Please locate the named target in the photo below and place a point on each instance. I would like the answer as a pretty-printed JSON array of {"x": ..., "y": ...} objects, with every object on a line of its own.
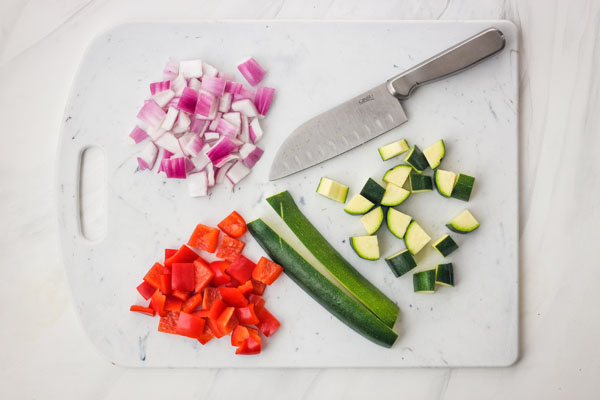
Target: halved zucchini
[
  {"x": 464, "y": 222},
  {"x": 394, "y": 195},
  {"x": 444, "y": 182},
  {"x": 372, "y": 220},
  {"x": 424, "y": 281},
  {"x": 401, "y": 262},
  {"x": 463, "y": 187},
  {"x": 397, "y": 175},
  {"x": 435, "y": 153},
  {"x": 372, "y": 191},
  {"x": 332, "y": 190},
  {"x": 420, "y": 183},
  {"x": 444, "y": 275},
  {"x": 366, "y": 247},
  {"x": 358, "y": 205},
  {"x": 393, "y": 149},
  {"x": 415, "y": 238},
  {"x": 416, "y": 159},
  {"x": 445, "y": 245}
]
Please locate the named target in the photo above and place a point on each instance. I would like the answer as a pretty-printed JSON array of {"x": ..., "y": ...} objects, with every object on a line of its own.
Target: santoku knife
[{"x": 376, "y": 111}]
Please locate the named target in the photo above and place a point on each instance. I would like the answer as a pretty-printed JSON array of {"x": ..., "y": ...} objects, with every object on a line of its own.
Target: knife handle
[{"x": 450, "y": 61}]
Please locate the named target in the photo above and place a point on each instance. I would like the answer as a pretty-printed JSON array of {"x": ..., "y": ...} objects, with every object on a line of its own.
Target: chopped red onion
[
  {"x": 244, "y": 131},
  {"x": 250, "y": 154},
  {"x": 256, "y": 131},
  {"x": 215, "y": 122},
  {"x": 213, "y": 85},
  {"x": 225, "y": 75},
  {"x": 207, "y": 106},
  {"x": 188, "y": 100},
  {"x": 184, "y": 140},
  {"x": 233, "y": 118},
  {"x": 210, "y": 136},
  {"x": 237, "y": 172},
  {"x": 252, "y": 71},
  {"x": 169, "y": 120},
  {"x": 168, "y": 142},
  {"x": 163, "y": 98},
  {"x": 198, "y": 125},
  {"x": 210, "y": 172},
  {"x": 157, "y": 87},
  {"x": 226, "y": 159},
  {"x": 182, "y": 124},
  {"x": 263, "y": 99},
  {"x": 194, "y": 84},
  {"x": 209, "y": 70},
  {"x": 171, "y": 70},
  {"x": 178, "y": 84},
  {"x": 233, "y": 87},
  {"x": 151, "y": 113},
  {"x": 245, "y": 93},
  {"x": 138, "y": 134},
  {"x": 220, "y": 175},
  {"x": 225, "y": 102},
  {"x": 174, "y": 167},
  {"x": 147, "y": 156},
  {"x": 246, "y": 107},
  {"x": 198, "y": 184},
  {"x": 156, "y": 132},
  {"x": 221, "y": 149},
  {"x": 200, "y": 161},
  {"x": 190, "y": 68},
  {"x": 226, "y": 128},
  {"x": 194, "y": 146}
]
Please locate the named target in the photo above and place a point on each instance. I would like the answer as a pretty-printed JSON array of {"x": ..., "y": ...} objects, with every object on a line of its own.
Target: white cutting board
[{"x": 314, "y": 65}]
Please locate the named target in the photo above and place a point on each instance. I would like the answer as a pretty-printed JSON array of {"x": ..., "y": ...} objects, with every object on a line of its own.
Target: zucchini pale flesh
[
  {"x": 342, "y": 270},
  {"x": 331, "y": 297}
]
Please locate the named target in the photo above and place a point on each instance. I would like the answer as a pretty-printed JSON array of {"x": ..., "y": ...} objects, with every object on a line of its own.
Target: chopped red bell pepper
[
  {"x": 214, "y": 328},
  {"x": 232, "y": 283},
  {"x": 239, "y": 335},
  {"x": 157, "y": 303},
  {"x": 258, "y": 302},
  {"x": 218, "y": 269},
  {"x": 192, "y": 303},
  {"x": 268, "y": 323},
  {"x": 216, "y": 309},
  {"x": 173, "y": 304},
  {"x": 190, "y": 326},
  {"x": 182, "y": 277},
  {"x": 252, "y": 344},
  {"x": 233, "y": 225},
  {"x": 227, "y": 321},
  {"x": 233, "y": 297},
  {"x": 146, "y": 290},
  {"x": 247, "y": 315},
  {"x": 202, "y": 274},
  {"x": 210, "y": 295},
  {"x": 153, "y": 276},
  {"x": 207, "y": 335},
  {"x": 169, "y": 253},
  {"x": 168, "y": 322},
  {"x": 181, "y": 295},
  {"x": 143, "y": 310},
  {"x": 246, "y": 288},
  {"x": 165, "y": 280},
  {"x": 258, "y": 287},
  {"x": 241, "y": 268},
  {"x": 204, "y": 238},
  {"x": 183, "y": 255},
  {"x": 230, "y": 248},
  {"x": 201, "y": 313},
  {"x": 266, "y": 271}
]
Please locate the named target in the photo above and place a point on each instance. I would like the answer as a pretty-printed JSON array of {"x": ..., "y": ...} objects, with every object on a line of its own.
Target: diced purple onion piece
[
  {"x": 182, "y": 124},
  {"x": 163, "y": 98},
  {"x": 190, "y": 68},
  {"x": 188, "y": 100},
  {"x": 263, "y": 99},
  {"x": 233, "y": 87},
  {"x": 250, "y": 154},
  {"x": 194, "y": 84},
  {"x": 171, "y": 70},
  {"x": 169, "y": 120},
  {"x": 210, "y": 136},
  {"x": 227, "y": 129},
  {"x": 244, "y": 131},
  {"x": 206, "y": 106},
  {"x": 245, "y": 93},
  {"x": 200, "y": 161},
  {"x": 255, "y": 130},
  {"x": 174, "y": 167},
  {"x": 168, "y": 142},
  {"x": 226, "y": 159},
  {"x": 225, "y": 102},
  {"x": 246, "y": 107},
  {"x": 198, "y": 184},
  {"x": 233, "y": 118},
  {"x": 184, "y": 140},
  {"x": 252, "y": 71},
  {"x": 147, "y": 156},
  {"x": 209, "y": 70},
  {"x": 220, "y": 175},
  {"x": 151, "y": 113},
  {"x": 138, "y": 134},
  {"x": 194, "y": 146},
  {"x": 178, "y": 84},
  {"x": 213, "y": 85},
  {"x": 157, "y": 87},
  {"x": 237, "y": 172},
  {"x": 226, "y": 75},
  {"x": 215, "y": 122},
  {"x": 198, "y": 125},
  {"x": 210, "y": 172},
  {"x": 222, "y": 148}
]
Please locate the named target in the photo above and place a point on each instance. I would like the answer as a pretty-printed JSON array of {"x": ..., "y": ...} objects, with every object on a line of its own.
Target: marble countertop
[{"x": 44, "y": 352}]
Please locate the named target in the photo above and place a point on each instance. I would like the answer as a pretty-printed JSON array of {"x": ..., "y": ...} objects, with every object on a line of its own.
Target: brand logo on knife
[{"x": 366, "y": 98}]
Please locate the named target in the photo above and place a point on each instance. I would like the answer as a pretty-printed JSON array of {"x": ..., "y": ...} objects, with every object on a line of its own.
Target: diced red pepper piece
[
  {"x": 208, "y": 298},
  {"x": 233, "y": 297},
  {"x": 202, "y": 274},
  {"x": 192, "y": 303},
  {"x": 182, "y": 277},
  {"x": 157, "y": 303},
  {"x": 246, "y": 288},
  {"x": 189, "y": 325},
  {"x": 214, "y": 327},
  {"x": 173, "y": 304},
  {"x": 239, "y": 335},
  {"x": 268, "y": 323},
  {"x": 247, "y": 315},
  {"x": 204, "y": 238},
  {"x": 227, "y": 321},
  {"x": 252, "y": 344},
  {"x": 146, "y": 290},
  {"x": 165, "y": 280},
  {"x": 181, "y": 295},
  {"x": 258, "y": 287},
  {"x": 266, "y": 271},
  {"x": 143, "y": 310},
  {"x": 183, "y": 255},
  {"x": 153, "y": 276},
  {"x": 201, "y": 313},
  {"x": 230, "y": 248},
  {"x": 216, "y": 309},
  {"x": 232, "y": 283},
  {"x": 258, "y": 302},
  {"x": 241, "y": 268},
  {"x": 218, "y": 268},
  {"x": 168, "y": 323},
  {"x": 169, "y": 253},
  {"x": 233, "y": 225},
  {"x": 207, "y": 335}
]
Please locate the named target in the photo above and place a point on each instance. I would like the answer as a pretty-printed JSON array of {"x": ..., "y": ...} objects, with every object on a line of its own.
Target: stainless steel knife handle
[{"x": 455, "y": 59}]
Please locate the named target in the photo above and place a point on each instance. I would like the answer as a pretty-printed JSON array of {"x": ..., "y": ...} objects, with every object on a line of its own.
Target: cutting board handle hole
[{"x": 92, "y": 193}]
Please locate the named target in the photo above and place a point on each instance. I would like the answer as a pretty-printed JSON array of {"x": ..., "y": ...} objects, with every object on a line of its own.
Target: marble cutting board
[{"x": 313, "y": 65}]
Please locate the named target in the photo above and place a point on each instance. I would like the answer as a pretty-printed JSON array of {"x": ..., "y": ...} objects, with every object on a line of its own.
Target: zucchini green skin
[
  {"x": 445, "y": 245},
  {"x": 420, "y": 183},
  {"x": 372, "y": 191},
  {"x": 372, "y": 298},
  {"x": 424, "y": 281},
  {"x": 416, "y": 159},
  {"x": 444, "y": 275},
  {"x": 332, "y": 298},
  {"x": 463, "y": 187},
  {"x": 400, "y": 263}
]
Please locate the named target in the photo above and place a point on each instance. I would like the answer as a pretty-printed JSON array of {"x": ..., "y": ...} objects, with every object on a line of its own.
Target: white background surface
[{"x": 43, "y": 351}]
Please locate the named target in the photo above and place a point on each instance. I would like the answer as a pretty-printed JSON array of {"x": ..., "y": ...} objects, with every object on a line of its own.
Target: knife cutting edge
[{"x": 376, "y": 111}]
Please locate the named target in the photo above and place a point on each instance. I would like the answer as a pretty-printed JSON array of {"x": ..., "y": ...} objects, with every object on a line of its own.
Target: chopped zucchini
[
  {"x": 420, "y": 183},
  {"x": 444, "y": 182},
  {"x": 415, "y": 238},
  {"x": 372, "y": 191},
  {"x": 435, "y": 153},
  {"x": 366, "y": 247},
  {"x": 332, "y": 190},
  {"x": 463, "y": 187},
  {"x": 464, "y": 222},
  {"x": 358, "y": 205},
  {"x": 397, "y": 222},
  {"x": 372, "y": 220},
  {"x": 393, "y": 149},
  {"x": 444, "y": 275},
  {"x": 394, "y": 195},
  {"x": 416, "y": 159},
  {"x": 397, "y": 175},
  {"x": 401, "y": 262},
  {"x": 424, "y": 281},
  {"x": 445, "y": 245}
]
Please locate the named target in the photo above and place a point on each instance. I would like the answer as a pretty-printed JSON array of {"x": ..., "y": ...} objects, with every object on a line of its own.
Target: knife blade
[{"x": 375, "y": 111}]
